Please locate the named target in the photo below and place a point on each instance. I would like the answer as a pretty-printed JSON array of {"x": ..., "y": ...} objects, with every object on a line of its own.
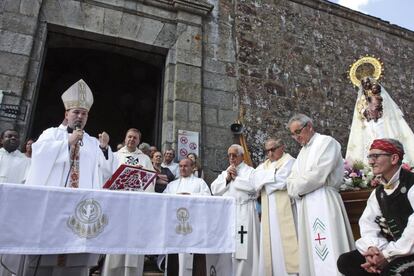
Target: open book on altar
[{"x": 130, "y": 178}]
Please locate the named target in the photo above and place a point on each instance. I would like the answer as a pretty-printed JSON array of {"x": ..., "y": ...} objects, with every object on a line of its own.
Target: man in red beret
[{"x": 386, "y": 246}]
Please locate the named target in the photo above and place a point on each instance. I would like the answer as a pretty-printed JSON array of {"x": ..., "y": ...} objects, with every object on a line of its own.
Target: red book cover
[{"x": 130, "y": 178}]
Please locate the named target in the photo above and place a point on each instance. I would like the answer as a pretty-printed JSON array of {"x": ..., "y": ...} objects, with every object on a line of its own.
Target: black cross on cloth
[{"x": 241, "y": 232}]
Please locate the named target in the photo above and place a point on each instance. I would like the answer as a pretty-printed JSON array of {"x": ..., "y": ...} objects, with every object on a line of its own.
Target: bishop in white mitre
[
  {"x": 324, "y": 232},
  {"x": 67, "y": 156},
  {"x": 279, "y": 252},
  {"x": 236, "y": 182}
]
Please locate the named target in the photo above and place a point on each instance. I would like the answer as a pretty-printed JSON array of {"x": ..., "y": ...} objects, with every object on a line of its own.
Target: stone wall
[
  {"x": 293, "y": 56},
  {"x": 272, "y": 58},
  {"x": 220, "y": 86},
  {"x": 18, "y": 37}
]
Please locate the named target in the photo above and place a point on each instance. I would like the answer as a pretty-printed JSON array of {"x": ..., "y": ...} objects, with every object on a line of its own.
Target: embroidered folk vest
[{"x": 395, "y": 207}]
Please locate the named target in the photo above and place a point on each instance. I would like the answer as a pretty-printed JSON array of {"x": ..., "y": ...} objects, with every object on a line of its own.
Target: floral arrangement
[{"x": 358, "y": 175}]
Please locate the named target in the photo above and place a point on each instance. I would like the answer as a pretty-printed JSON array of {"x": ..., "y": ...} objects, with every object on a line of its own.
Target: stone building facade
[{"x": 270, "y": 58}]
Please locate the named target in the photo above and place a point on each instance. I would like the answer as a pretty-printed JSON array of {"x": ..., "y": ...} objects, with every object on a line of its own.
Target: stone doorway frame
[
  {"x": 68, "y": 41},
  {"x": 170, "y": 27}
]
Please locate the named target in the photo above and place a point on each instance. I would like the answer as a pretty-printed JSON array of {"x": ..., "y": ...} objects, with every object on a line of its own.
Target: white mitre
[{"x": 79, "y": 95}]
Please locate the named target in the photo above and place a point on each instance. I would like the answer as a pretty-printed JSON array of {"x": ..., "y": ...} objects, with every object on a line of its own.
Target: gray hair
[
  {"x": 278, "y": 142},
  {"x": 240, "y": 150},
  {"x": 144, "y": 147},
  {"x": 302, "y": 118},
  {"x": 396, "y": 144}
]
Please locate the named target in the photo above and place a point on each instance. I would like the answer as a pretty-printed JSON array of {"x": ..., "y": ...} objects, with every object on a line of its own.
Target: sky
[{"x": 398, "y": 12}]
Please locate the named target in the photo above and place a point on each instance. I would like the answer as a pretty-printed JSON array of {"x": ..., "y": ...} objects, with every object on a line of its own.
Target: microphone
[{"x": 78, "y": 126}]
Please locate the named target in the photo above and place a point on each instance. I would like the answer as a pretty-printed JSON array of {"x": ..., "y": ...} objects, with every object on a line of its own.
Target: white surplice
[
  {"x": 187, "y": 185},
  {"x": 246, "y": 259},
  {"x": 136, "y": 157},
  {"x": 51, "y": 162},
  {"x": 192, "y": 185},
  {"x": 14, "y": 166},
  {"x": 50, "y": 167},
  {"x": 324, "y": 232},
  {"x": 120, "y": 264},
  {"x": 271, "y": 176}
]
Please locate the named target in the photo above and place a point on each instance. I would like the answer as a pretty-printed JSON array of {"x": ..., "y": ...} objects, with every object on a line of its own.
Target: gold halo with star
[{"x": 365, "y": 67}]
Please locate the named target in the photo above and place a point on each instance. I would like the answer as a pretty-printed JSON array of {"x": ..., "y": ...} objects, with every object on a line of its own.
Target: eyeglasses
[
  {"x": 298, "y": 131},
  {"x": 374, "y": 156},
  {"x": 272, "y": 149}
]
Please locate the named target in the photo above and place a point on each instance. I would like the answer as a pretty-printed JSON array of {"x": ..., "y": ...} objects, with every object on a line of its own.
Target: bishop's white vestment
[
  {"x": 245, "y": 261},
  {"x": 120, "y": 264},
  {"x": 50, "y": 167},
  {"x": 324, "y": 232},
  {"x": 187, "y": 185},
  {"x": 279, "y": 253},
  {"x": 51, "y": 162}
]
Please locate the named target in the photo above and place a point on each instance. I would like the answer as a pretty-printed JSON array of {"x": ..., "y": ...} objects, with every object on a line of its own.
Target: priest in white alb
[
  {"x": 236, "y": 182},
  {"x": 279, "y": 253},
  {"x": 130, "y": 264},
  {"x": 186, "y": 184},
  {"x": 323, "y": 227},
  {"x": 130, "y": 154},
  {"x": 14, "y": 166},
  {"x": 67, "y": 156}
]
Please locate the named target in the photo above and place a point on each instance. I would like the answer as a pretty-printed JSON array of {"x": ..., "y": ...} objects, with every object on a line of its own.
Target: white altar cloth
[{"x": 54, "y": 220}]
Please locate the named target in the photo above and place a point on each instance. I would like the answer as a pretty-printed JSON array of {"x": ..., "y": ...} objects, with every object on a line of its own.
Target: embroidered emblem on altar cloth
[
  {"x": 184, "y": 226},
  {"x": 88, "y": 220},
  {"x": 319, "y": 241}
]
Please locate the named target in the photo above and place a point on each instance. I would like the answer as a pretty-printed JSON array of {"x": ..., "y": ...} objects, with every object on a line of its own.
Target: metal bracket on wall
[{"x": 11, "y": 111}]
